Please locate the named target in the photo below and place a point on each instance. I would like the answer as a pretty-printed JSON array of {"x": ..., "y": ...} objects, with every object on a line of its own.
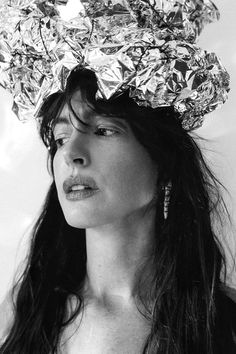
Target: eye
[
  {"x": 59, "y": 142},
  {"x": 106, "y": 132}
]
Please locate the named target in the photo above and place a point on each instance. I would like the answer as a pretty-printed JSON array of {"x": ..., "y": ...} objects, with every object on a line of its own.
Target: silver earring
[{"x": 167, "y": 199}]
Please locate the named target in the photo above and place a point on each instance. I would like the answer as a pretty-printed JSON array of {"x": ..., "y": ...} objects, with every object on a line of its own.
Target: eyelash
[
  {"x": 114, "y": 132},
  {"x": 107, "y": 129}
]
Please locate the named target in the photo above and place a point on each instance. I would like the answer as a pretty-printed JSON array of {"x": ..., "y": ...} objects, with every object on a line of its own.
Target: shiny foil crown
[{"x": 146, "y": 47}]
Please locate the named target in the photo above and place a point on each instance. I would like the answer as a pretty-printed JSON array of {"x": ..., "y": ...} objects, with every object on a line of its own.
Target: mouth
[
  {"x": 79, "y": 183},
  {"x": 80, "y": 187},
  {"x": 80, "y": 192}
]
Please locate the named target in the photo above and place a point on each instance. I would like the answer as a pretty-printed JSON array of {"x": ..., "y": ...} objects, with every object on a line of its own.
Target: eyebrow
[{"x": 61, "y": 120}]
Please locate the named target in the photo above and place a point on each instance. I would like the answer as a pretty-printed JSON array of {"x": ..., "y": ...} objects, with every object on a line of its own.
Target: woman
[
  {"x": 124, "y": 257},
  {"x": 118, "y": 264}
]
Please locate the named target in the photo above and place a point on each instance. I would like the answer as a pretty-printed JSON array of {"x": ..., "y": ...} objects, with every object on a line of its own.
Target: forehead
[{"x": 82, "y": 112}]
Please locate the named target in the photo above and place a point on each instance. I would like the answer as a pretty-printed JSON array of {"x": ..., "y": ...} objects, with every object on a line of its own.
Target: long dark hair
[{"x": 187, "y": 259}]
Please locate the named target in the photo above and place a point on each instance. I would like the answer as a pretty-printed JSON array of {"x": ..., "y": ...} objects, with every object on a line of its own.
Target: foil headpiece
[{"x": 145, "y": 46}]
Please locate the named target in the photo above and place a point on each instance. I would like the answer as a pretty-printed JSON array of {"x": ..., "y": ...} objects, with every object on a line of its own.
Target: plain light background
[{"x": 24, "y": 179}]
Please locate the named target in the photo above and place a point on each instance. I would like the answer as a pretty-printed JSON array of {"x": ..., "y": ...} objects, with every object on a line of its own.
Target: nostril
[{"x": 80, "y": 160}]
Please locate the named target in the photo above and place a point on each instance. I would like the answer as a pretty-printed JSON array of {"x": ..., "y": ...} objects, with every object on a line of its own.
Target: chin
[
  {"x": 81, "y": 222},
  {"x": 84, "y": 220}
]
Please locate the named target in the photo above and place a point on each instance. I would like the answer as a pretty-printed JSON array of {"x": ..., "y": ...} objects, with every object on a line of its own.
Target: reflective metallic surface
[{"x": 146, "y": 47}]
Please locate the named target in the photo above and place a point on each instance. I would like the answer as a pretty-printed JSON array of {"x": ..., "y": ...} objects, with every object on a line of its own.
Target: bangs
[
  {"x": 122, "y": 106},
  {"x": 49, "y": 112},
  {"x": 85, "y": 81}
]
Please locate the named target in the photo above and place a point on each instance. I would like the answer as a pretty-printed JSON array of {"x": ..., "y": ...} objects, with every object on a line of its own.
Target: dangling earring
[{"x": 167, "y": 189}]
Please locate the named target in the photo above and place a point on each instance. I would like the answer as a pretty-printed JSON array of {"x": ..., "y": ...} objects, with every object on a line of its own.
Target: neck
[{"x": 115, "y": 255}]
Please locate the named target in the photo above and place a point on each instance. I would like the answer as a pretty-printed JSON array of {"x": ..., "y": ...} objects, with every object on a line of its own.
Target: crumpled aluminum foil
[{"x": 144, "y": 46}]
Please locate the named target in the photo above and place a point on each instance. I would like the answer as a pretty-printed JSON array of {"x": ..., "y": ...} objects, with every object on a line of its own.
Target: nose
[{"x": 76, "y": 149}]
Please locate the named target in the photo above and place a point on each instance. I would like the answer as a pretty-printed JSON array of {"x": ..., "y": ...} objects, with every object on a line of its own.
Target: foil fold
[{"x": 146, "y": 47}]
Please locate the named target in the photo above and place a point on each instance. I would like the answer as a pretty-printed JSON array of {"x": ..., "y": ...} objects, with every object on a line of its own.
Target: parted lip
[{"x": 78, "y": 180}]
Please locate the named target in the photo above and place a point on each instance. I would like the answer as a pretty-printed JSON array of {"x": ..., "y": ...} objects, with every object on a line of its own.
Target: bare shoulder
[{"x": 6, "y": 316}]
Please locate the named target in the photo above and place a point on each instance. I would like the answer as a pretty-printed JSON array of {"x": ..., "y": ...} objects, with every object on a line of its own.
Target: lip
[
  {"x": 79, "y": 180},
  {"x": 81, "y": 194}
]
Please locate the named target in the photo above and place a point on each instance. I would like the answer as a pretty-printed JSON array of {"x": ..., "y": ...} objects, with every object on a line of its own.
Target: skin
[{"x": 119, "y": 218}]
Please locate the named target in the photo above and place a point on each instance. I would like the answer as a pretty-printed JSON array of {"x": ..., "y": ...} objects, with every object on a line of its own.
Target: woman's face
[{"x": 108, "y": 153}]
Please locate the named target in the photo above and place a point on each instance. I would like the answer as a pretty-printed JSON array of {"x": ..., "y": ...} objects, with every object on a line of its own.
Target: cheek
[
  {"x": 132, "y": 178},
  {"x": 58, "y": 170}
]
